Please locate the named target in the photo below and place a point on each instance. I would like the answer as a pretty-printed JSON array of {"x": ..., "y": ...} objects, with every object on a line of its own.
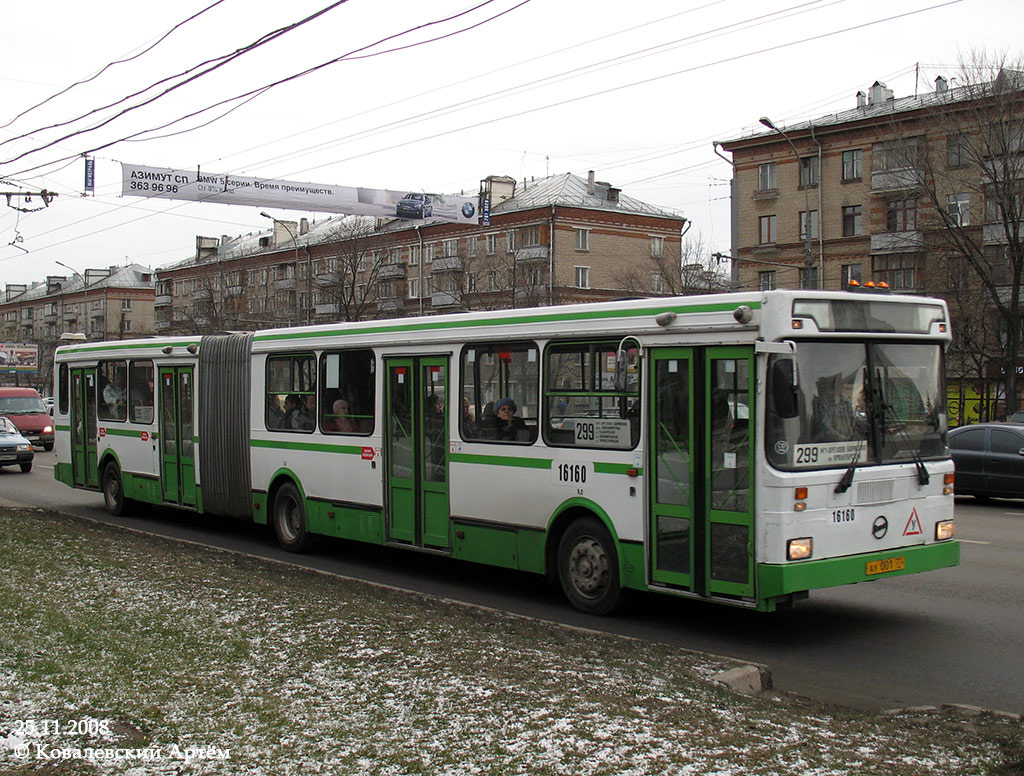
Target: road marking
[
  {"x": 971, "y": 541},
  {"x": 1015, "y": 514}
]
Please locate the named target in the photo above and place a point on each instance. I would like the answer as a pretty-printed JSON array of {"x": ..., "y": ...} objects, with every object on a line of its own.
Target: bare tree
[
  {"x": 968, "y": 171},
  {"x": 349, "y": 271},
  {"x": 677, "y": 269}
]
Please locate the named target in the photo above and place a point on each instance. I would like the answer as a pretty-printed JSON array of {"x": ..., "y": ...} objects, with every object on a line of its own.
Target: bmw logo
[{"x": 468, "y": 210}]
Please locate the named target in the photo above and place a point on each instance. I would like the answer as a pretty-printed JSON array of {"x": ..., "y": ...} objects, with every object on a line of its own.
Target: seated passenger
[
  {"x": 339, "y": 421},
  {"x": 507, "y": 424}
]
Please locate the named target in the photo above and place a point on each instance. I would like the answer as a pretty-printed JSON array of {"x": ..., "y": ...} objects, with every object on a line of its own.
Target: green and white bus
[{"x": 743, "y": 448}]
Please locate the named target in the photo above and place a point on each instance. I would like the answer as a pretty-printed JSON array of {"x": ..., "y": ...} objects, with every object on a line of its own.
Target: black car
[
  {"x": 414, "y": 205},
  {"x": 989, "y": 459}
]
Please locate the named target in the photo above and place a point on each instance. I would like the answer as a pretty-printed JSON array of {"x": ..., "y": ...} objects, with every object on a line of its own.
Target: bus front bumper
[{"x": 782, "y": 579}]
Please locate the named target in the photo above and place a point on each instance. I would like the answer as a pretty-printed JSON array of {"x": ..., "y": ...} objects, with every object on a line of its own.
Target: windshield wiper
[
  {"x": 923, "y": 477},
  {"x": 847, "y": 479}
]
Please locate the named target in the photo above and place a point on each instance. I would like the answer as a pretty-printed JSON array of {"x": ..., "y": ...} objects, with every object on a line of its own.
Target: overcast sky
[{"x": 636, "y": 91}]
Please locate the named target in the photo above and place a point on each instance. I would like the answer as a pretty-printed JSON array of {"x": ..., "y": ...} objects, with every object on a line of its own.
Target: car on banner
[
  {"x": 414, "y": 205},
  {"x": 14, "y": 448},
  {"x": 989, "y": 460}
]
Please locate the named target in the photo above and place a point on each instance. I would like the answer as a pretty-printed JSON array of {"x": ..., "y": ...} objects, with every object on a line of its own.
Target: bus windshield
[{"x": 839, "y": 404}]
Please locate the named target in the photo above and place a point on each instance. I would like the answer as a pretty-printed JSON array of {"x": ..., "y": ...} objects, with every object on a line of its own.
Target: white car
[{"x": 14, "y": 448}]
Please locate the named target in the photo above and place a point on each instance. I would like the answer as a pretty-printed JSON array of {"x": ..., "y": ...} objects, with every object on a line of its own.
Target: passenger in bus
[
  {"x": 507, "y": 423},
  {"x": 275, "y": 415},
  {"x": 468, "y": 422},
  {"x": 296, "y": 416},
  {"x": 339, "y": 421},
  {"x": 113, "y": 392}
]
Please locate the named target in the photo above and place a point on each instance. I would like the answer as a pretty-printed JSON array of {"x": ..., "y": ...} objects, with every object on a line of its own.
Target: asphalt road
[{"x": 950, "y": 636}]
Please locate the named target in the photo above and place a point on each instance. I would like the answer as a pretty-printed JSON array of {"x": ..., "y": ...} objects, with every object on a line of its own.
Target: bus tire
[
  {"x": 113, "y": 490},
  {"x": 588, "y": 567},
  {"x": 290, "y": 519}
]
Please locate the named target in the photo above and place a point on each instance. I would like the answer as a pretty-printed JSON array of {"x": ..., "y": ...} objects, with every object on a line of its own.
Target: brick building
[
  {"x": 922, "y": 193},
  {"x": 108, "y": 303},
  {"x": 552, "y": 241}
]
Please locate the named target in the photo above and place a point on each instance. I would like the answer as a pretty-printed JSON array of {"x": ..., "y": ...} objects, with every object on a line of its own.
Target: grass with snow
[{"x": 168, "y": 646}]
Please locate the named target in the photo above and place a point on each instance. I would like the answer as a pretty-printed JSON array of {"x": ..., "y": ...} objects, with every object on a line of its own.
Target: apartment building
[
  {"x": 921, "y": 193},
  {"x": 100, "y": 303},
  {"x": 556, "y": 240}
]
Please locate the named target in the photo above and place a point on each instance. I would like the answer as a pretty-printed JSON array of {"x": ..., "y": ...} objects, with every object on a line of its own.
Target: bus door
[
  {"x": 701, "y": 532},
  {"x": 177, "y": 435},
  {"x": 83, "y": 427},
  {"x": 416, "y": 451}
]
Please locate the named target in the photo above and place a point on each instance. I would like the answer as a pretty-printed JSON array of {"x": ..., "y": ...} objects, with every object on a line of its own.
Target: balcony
[
  {"x": 50, "y": 317},
  {"x": 391, "y": 305},
  {"x": 902, "y": 179},
  {"x": 994, "y": 234},
  {"x": 202, "y": 295},
  {"x": 230, "y": 291},
  {"x": 447, "y": 264},
  {"x": 445, "y": 299},
  {"x": 532, "y": 253},
  {"x": 392, "y": 271},
  {"x": 162, "y": 300},
  {"x": 897, "y": 242},
  {"x": 285, "y": 284},
  {"x": 327, "y": 279},
  {"x": 70, "y": 315},
  {"x": 326, "y": 309},
  {"x": 161, "y": 325}
]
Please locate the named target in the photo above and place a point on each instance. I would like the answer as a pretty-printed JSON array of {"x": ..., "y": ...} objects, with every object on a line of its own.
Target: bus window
[
  {"x": 113, "y": 376},
  {"x": 583, "y": 407},
  {"x": 63, "y": 390},
  {"x": 500, "y": 382},
  {"x": 291, "y": 393},
  {"x": 140, "y": 391},
  {"x": 347, "y": 392}
]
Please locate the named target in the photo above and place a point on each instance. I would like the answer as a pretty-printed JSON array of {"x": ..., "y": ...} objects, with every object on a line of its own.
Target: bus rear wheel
[
  {"x": 113, "y": 490},
  {"x": 588, "y": 567},
  {"x": 290, "y": 519}
]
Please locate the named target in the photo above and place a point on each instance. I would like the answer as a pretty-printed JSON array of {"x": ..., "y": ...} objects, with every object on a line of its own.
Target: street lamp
[
  {"x": 85, "y": 299},
  {"x": 295, "y": 242},
  {"x": 808, "y": 260}
]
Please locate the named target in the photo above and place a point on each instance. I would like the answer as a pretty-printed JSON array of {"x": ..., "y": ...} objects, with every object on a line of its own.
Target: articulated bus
[{"x": 743, "y": 448}]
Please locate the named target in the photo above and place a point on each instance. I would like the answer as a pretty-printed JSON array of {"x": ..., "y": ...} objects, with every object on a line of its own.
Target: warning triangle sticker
[{"x": 913, "y": 527}]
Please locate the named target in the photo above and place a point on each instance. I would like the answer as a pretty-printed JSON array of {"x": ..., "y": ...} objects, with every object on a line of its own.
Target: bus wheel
[
  {"x": 588, "y": 567},
  {"x": 113, "y": 490},
  {"x": 290, "y": 519}
]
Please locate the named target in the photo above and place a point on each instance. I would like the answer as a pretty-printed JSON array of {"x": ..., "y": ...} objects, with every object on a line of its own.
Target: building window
[
  {"x": 959, "y": 208},
  {"x": 899, "y": 270},
  {"x": 472, "y": 246},
  {"x": 510, "y": 240},
  {"x": 808, "y": 277},
  {"x": 657, "y": 283},
  {"x": 851, "y": 221},
  {"x": 491, "y": 241},
  {"x": 809, "y": 171},
  {"x": 766, "y": 280},
  {"x": 533, "y": 276},
  {"x": 852, "y": 165},
  {"x": 803, "y": 224},
  {"x": 451, "y": 248},
  {"x": 582, "y": 277},
  {"x": 851, "y": 272},
  {"x": 472, "y": 278},
  {"x": 529, "y": 235},
  {"x": 414, "y": 255},
  {"x": 126, "y": 304},
  {"x": 767, "y": 224},
  {"x": 895, "y": 154},
  {"x": 582, "y": 239},
  {"x": 127, "y": 326},
  {"x": 766, "y": 177},
  {"x": 901, "y": 215},
  {"x": 956, "y": 150},
  {"x": 657, "y": 247}
]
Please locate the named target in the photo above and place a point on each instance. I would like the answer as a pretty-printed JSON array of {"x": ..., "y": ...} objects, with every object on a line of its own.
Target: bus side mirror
[
  {"x": 621, "y": 364},
  {"x": 784, "y": 388}
]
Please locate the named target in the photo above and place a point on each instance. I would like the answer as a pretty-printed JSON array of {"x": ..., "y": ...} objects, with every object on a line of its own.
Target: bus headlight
[
  {"x": 799, "y": 549},
  {"x": 944, "y": 529}
]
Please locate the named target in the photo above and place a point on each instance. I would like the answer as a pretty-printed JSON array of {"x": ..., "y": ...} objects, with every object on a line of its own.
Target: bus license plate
[{"x": 887, "y": 564}]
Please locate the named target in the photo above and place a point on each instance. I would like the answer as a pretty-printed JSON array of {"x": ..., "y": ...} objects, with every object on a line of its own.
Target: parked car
[
  {"x": 14, "y": 448},
  {"x": 24, "y": 407},
  {"x": 414, "y": 205},
  {"x": 1017, "y": 417},
  {"x": 989, "y": 460},
  {"x": 48, "y": 403}
]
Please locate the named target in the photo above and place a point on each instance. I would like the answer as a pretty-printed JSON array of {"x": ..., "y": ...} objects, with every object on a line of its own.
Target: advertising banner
[
  {"x": 198, "y": 186},
  {"x": 23, "y": 359}
]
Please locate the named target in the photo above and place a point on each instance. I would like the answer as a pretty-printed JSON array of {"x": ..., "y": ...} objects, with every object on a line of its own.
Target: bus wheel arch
[
  {"x": 287, "y": 506},
  {"x": 582, "y": 554}
]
